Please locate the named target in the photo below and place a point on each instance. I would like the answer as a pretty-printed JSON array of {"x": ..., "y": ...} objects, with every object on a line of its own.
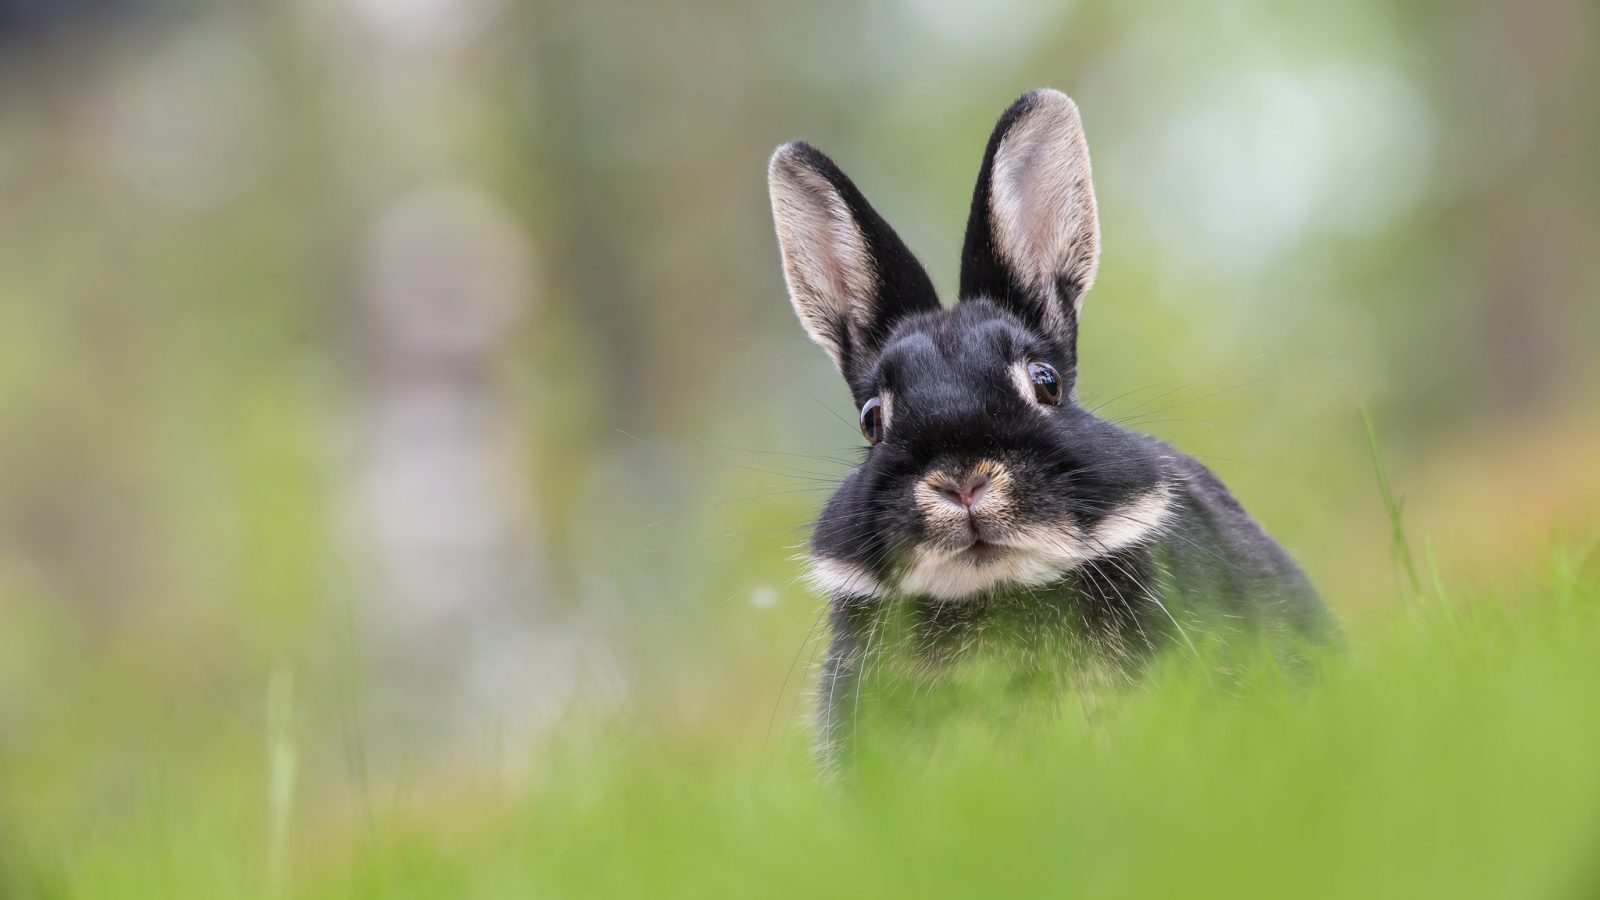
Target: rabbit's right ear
[
  {"x": 850, "y": 276},
  {"x": 1033, "y": 239}
]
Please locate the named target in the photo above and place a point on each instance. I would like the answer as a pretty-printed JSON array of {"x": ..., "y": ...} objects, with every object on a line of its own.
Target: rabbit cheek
[
  {"x": 842, "y": 578},
  {"x": 1056, "y": 550},
  {"x": 1133, "y": 522}
]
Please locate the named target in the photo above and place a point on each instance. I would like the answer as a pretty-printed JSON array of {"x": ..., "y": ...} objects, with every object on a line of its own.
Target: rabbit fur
[{"x": 983, "y": 511}]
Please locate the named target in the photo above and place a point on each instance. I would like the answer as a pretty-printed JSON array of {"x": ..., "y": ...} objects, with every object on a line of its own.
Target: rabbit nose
[{"x": 967, "y": 493}]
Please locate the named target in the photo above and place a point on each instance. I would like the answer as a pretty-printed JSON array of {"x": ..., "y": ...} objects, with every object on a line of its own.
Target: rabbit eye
[
  {"x": 1046, "y": 383},
  {"x": 872, "y": 420}
]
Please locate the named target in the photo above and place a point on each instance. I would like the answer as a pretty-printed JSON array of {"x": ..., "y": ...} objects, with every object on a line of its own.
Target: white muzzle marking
[{"x": 1034, "y": 556}]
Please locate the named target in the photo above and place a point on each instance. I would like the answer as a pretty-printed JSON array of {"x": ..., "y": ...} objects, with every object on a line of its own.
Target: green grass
[{"x": 1452, "y": 755}]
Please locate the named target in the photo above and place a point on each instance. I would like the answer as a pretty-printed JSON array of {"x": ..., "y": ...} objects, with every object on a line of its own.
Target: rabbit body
[{"x": 992, "y": 513}]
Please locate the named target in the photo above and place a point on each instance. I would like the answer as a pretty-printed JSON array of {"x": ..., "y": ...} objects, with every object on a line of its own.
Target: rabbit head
[{"x": 982, "y": 472}]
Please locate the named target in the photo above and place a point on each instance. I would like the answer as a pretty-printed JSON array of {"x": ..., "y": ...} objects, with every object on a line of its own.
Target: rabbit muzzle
[{"x": 967, "y": 507}]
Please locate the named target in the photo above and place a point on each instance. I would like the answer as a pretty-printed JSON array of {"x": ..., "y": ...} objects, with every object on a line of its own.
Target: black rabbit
[{"x": 990, "y": 508}]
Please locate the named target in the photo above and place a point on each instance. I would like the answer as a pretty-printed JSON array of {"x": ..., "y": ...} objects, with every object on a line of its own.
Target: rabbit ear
[
  {"x": 1033, "y": 238},
  {"x": 850, "y": 276}
]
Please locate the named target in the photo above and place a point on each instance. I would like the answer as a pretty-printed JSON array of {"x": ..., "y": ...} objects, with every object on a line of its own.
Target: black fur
[
  {"x": 983, "y": 272},
  {"x": 903, "y": 286},
  {"x": 1205, "y": 567}
]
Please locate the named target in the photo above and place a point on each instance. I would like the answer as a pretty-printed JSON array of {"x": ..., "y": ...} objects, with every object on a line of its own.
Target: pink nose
[{"x": 968, "y": 493}]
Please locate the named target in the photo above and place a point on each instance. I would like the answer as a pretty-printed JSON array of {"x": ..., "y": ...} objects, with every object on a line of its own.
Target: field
[
  {"x": 407, "y": 446},
  {"x": 1450, "y": 753}
]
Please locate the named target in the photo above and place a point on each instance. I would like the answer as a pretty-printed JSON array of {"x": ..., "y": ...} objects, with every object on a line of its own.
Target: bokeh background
[{"x": 383, "y": 380}]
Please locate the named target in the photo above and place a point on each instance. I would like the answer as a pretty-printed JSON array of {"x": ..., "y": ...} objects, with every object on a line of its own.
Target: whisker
[
  {"x": 1203, "y": 397},
  {"x": 784, "y": 689}
]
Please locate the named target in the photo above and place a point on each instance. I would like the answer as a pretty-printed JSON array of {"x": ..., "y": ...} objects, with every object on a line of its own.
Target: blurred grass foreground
[
  {"x": 1455, "y": 757},
  {"x": 405, "y": 442}
]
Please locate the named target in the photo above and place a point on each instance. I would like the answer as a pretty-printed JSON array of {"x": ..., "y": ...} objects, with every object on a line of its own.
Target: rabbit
[{"x": 989, "y": 506}]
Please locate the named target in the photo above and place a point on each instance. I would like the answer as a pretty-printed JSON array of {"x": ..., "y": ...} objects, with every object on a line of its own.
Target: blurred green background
[{"x": 386, "y": 385}]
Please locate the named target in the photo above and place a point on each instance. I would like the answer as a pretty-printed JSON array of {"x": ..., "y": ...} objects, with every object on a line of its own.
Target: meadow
[
  {"x": 1448, "y": 752},
  {"x": 407, "y": 446}
]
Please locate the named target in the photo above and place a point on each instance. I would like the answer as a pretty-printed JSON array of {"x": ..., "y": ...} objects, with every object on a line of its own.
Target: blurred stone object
[
  {"x": 460, "y": 642},
  {"x": 444, "y": 271},
  {"x": 467, "y": 654}
]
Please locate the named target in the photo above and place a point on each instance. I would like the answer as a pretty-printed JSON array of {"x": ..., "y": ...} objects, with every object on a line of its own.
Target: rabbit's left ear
[
  {"x": 1033, "y": 237},
  {"x": 851, "y": 278}
]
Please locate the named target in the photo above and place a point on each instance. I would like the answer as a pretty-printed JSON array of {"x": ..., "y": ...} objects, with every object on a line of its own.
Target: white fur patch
[
  {"x": 825, "y": 260},
  {"x": 835, "y": 576},
  {"x": 1041, "y": 202},
  {"x": 1133, "y": 522},
  {"x": 1036, "y": 556},
  {"x": 944, "y": 576},
  {"x": 1024, "y": 384}
]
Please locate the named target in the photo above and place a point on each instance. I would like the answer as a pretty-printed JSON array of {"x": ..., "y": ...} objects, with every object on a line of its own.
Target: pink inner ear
[
  {"x": 836, "y": 252},
  {"x": 1042, "y": 200},
  {"x": 832, "y": 269},
  {"x": 842, "y": 255},
  {"x": 831, "y": 279},
  {"x": 1035, "y": 204}
]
